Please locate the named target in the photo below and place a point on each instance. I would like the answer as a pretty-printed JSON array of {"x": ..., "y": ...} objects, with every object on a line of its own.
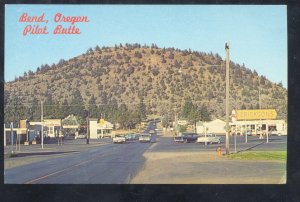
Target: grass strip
[{"x": 260, "y": 155}]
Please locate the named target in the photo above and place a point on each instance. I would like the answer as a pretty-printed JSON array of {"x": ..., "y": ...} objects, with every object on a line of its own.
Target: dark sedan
[{"x": 189, "y": 137}]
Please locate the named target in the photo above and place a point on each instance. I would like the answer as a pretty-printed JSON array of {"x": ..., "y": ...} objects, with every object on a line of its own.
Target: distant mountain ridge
[{"x": 161, "y": 78}]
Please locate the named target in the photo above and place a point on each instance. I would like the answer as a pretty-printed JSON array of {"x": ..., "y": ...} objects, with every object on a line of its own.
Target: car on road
[
  {"x": 145, "y": 138},
  {"x": 131, "y": 137},
  {"x": 278, "y": 133},
  {"x": 189, "y": 137},
  {"x": 209, "y": 138},
  {"x": 179, "y": 139},
  {"x": 119, "y": 139},
  {"x": 151, "y": 132}
]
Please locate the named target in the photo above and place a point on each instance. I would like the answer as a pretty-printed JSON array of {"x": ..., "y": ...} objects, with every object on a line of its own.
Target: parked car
[
  {"x": 178, "y": 139},
  {"x": 119, "y": 139},
  {"x": 278, "y": 133},
  {"x": 189, "y": 137},
  {"x": 210, "y": 139},
  {"x": 81, "y": 136},
  {"x": 145, "y": 138},
  {"x": 131, "y": 137}
]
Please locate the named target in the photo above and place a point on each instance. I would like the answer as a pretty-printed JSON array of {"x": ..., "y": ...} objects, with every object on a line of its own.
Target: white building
[
  {"x": 216, "y": 126},
  {"x": 100, "y": 130}
]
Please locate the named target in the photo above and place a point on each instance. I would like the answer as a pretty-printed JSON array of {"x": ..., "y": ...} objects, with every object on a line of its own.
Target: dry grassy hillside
[{"x": 162, "y": 77}]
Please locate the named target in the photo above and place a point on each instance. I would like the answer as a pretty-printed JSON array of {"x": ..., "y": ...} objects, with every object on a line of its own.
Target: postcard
[{"x": 145, "y": 94}]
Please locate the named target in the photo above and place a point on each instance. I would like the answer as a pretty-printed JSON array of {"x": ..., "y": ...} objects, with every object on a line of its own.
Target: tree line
[{"x": 15, "y": 110}]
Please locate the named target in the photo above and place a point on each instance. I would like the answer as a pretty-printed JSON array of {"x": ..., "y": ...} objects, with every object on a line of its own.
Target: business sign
[
  {"x": 182, "y": 122},
  {"x": 255, "y": 114},
  {"x": 52, "y": 122},
  {"x": 101, "y": 122}
]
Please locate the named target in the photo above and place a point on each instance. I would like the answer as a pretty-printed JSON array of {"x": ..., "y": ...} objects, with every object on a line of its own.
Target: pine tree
[
  {"x": 123, "y": 116},
  {"x": 92, "y": 108},
  {"x": 36, "y": 109},
  {"x": 18, "y": 109},
  {"x": 142, "y": 110},
  {"x": 48, "y": 107},
  {"x": 65, "y": 109},
  {"x": 188, "y": 106},
  {"x": 76, "y": 104},
  {"x": 204, "y": 113}
]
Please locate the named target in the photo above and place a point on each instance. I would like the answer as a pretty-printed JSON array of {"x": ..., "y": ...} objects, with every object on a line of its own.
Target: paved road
[
  {"x": 106, "y": 164},
  {"x": 112, "y": 163}
]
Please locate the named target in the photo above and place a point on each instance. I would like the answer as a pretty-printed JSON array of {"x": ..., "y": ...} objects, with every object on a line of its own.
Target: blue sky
[{"x": 257, "y": 34}]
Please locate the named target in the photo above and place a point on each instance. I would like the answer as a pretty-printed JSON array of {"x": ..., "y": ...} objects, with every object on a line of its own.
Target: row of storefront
[{"x": 54, "y": 128}]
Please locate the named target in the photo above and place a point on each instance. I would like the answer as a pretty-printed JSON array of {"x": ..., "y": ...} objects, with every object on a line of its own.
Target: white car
[
  {"x": 81, "y": 136},
  {"x": 210, "y": 138},
  {"x": 145, "y": 138},
  {"x": 279, "y": 133},
  {"x": 151, "y": 132},
  {"x": 119, "y": 139}
]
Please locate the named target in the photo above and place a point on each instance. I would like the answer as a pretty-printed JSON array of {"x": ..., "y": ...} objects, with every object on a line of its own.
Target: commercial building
[
  {"x": 28, "y": 130},
  {"x": 259, "y": 127},
  {"x": 100, "y": 130},
  {"x": 257, "y": 122},
  {"x": 254, "y": 122},
  {"x": 51, "y": 127}
]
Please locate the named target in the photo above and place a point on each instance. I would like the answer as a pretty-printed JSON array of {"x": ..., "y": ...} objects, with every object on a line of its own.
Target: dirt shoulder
[{"x": 206, "y": 168}]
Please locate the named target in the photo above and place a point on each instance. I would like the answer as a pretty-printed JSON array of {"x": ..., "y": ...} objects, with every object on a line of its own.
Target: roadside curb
[{"x": 247, "y": 149}]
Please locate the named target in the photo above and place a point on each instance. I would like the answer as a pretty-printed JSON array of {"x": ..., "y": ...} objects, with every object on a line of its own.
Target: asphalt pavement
[
  {"x": 275, "y": 143},
  {"x": 106, "y": 164}
]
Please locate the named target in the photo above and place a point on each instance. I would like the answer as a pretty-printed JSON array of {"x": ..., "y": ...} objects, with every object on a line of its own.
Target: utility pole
[
  {"x": 259, "y": 103},
  {"x": 227, "y": 97},
  {"x": 87, "y": 131},
  {"x": 42, "y": 125},
  {"x": 175, "y": 123},
  {"x": 86, "y": 114},
  {"x": 11, "y": 133}
]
